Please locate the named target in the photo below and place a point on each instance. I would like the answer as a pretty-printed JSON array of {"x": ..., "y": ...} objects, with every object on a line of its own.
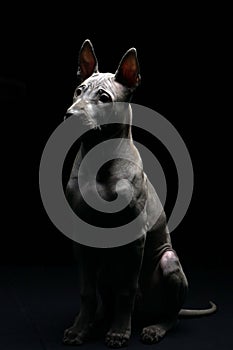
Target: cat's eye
[
  {"x": 78, "y": 92},
  {"x": 104, "y": 96}
]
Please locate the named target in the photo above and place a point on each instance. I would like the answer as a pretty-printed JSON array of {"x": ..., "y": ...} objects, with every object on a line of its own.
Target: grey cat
[{"x": 143, "y": 278}]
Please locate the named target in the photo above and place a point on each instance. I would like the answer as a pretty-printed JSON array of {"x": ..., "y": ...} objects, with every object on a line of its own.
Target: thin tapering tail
[{"x": 198, "y": 313}]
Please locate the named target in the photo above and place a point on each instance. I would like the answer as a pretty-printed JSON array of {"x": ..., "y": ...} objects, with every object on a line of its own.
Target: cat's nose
[{"x": 69, "y": 113}]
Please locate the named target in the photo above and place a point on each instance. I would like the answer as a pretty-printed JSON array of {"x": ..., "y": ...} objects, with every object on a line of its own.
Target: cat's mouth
[{"x": 85, "y": 118}]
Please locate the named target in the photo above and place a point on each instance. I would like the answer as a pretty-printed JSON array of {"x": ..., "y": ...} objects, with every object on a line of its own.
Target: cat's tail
[{"x": 198, "y": 313}]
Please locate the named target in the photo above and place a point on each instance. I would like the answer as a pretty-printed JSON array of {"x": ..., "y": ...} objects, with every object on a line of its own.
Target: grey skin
[{"x": 144, "y": 278}]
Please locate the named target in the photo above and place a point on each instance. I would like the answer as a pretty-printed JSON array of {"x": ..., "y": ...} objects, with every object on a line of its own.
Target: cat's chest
[{"x": 99, "y": 191}]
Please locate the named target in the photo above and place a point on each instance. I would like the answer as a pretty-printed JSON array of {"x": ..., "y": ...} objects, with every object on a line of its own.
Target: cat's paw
[
  {"x": 152, "y": 334},
  {"x": 74, "y": 336},
  {"x": 117, "y": 338}
]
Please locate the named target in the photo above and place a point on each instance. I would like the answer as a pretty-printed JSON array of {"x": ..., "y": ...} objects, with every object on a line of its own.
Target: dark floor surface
[{"x": 38, "y": 303}]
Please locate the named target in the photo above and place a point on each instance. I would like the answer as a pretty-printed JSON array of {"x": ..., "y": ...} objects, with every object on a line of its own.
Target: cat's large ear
[
  {"x": 128, "y": 73},
  {"x": 87, "y": 62}
]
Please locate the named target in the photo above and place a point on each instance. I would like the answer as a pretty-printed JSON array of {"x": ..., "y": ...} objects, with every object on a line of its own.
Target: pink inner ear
[
  {"x": 87, "y": 62},
  {"x": 129, "y": 72}
]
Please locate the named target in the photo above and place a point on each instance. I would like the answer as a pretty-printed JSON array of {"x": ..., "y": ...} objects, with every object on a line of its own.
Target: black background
[
  {"x": 184, "y": 56},
  {"x": 184, "y": 66}
]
